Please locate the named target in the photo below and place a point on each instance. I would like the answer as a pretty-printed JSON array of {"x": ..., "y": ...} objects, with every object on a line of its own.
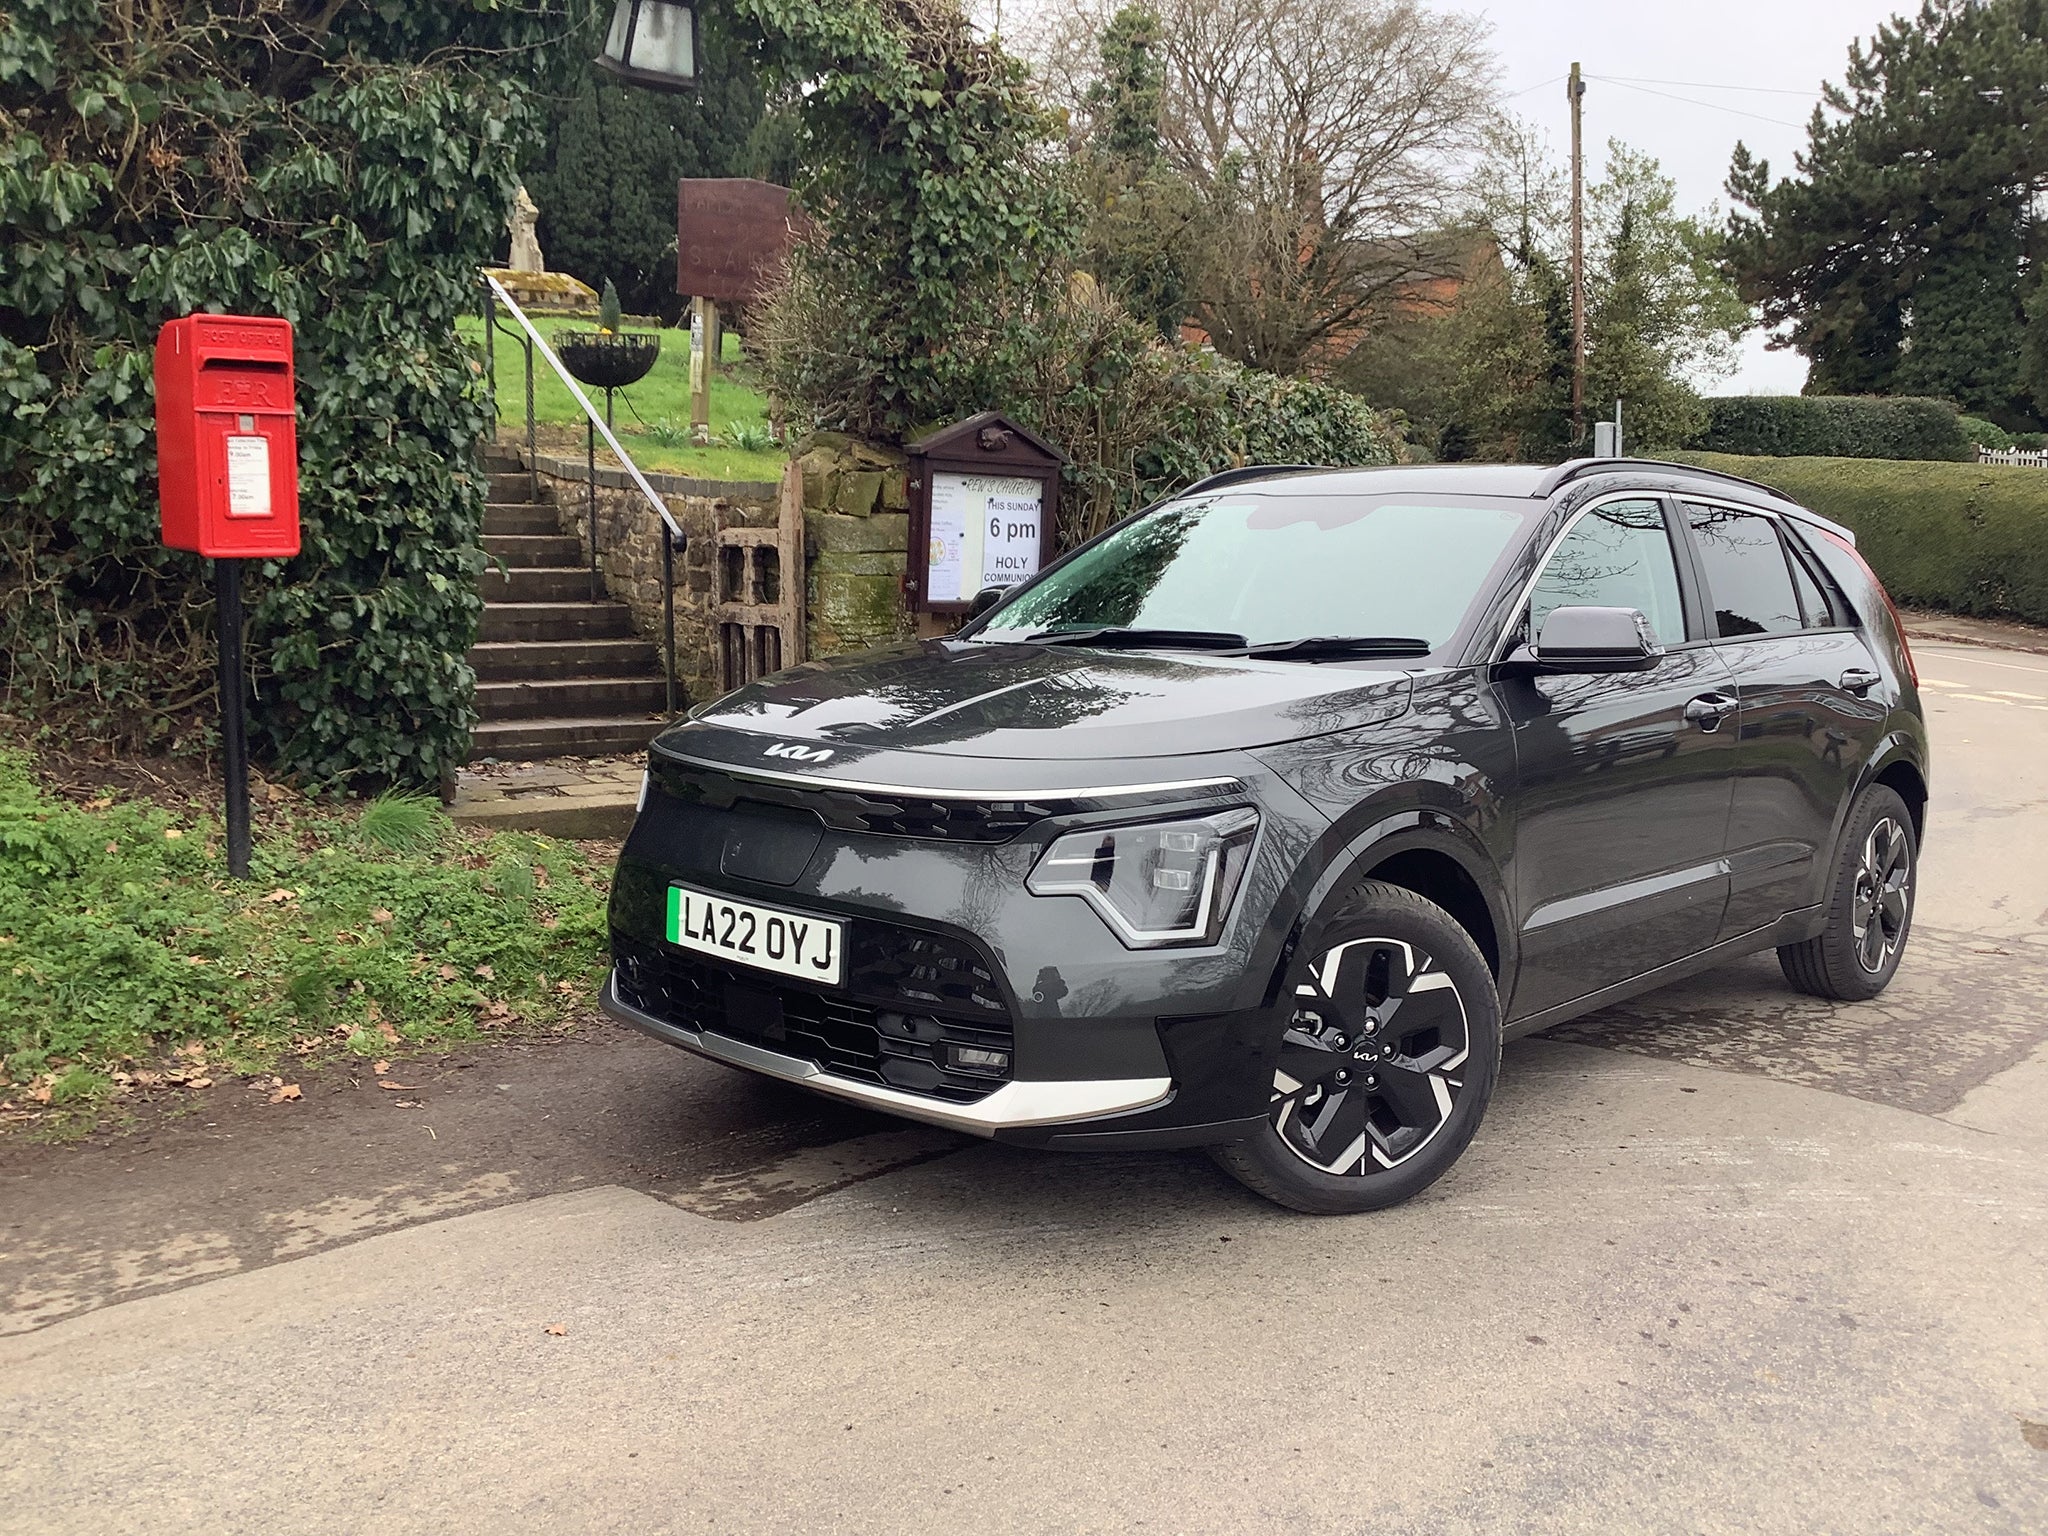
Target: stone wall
[
  {"x": 857, "y": 533},
  {"x": 629, "y": 548}
]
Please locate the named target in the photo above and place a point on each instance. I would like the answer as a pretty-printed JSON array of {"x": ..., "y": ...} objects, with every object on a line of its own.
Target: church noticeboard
[{"x": 984, "y": 504}]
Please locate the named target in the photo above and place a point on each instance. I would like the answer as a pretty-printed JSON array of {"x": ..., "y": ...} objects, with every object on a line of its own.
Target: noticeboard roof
[{"x": 988, "y": 437}]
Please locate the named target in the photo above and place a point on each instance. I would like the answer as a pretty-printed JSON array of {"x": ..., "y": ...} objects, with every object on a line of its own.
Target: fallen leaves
[
  {"x": 381, "y": 915},
  {"x": 282, "y": 1092},
  {"x": 380, "y": 1067},
  {"x": 448, "y": 973},
  {"x": 398, "y": 1087},
  {"x": 556, "y": 1330},
  {"x": 172, "y": 834},
  {"x": 280, "y": 896},
  {"x": 487, "y": 973}
]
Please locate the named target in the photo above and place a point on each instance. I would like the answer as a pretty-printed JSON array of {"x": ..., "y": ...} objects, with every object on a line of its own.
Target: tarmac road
[{"x": 1724, "y": 1259}]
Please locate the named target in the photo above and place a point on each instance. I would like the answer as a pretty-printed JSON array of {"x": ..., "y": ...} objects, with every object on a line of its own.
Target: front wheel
[
  {"x": 1389, "y": 1044},
  {"x": 1870, "y": 905}
]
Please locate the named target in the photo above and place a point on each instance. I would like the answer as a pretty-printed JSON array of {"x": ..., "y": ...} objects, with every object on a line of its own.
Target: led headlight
[{"x": 1166, "y": 882}]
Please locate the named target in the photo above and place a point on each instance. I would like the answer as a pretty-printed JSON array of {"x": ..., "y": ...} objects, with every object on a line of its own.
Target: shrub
[
  {"x": 1835, "y": 426},
  {"x": 1964, "y": 538},
  {"x": 1986, "y": 434}
]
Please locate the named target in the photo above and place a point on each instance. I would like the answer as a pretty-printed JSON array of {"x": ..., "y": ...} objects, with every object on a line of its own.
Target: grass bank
[
  {"x": 652, "y": 417},
  {"x": 130, "y": 963},
  {"x": 1958, "y": 538}
]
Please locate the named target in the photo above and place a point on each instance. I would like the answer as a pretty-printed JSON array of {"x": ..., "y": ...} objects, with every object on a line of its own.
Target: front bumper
[{"x": 1014, "y": 1106}]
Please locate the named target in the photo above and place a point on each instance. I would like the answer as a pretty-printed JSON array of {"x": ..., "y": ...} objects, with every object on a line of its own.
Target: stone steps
[
  {"x": 528, "y": 549},
  {"x": 500, "y": 661},
  {"x": 538, "y": 584},
  {"x": 571, "y": 698},
  {"x": 556, "y": 621},
  {"x": 589, "y": 736},
  {"x": 511, "y": 517},
  {"x": 558, "y": 675}
]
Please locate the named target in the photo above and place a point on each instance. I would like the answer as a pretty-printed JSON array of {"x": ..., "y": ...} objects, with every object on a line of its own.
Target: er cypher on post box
[{"x": 227, "y": 438}]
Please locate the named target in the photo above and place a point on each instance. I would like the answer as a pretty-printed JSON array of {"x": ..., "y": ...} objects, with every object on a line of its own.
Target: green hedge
[
  {"x": 346, "y": 167},
  {"x": 1835, "y": 426},
  {"x": 1963, "y": 538}
]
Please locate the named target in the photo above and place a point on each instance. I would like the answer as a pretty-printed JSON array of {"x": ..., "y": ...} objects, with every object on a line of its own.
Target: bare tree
[{"x": 1324, "y": 140}]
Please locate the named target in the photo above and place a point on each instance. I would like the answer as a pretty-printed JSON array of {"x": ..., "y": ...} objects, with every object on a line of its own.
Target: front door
[
  {"x": 1623, "y": 799},
  {"x": 1792, "y": 645}
]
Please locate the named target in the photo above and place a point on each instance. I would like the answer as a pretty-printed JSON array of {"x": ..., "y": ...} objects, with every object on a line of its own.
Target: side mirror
[
  {"x": 1587, "y": 640},
  {"x": 986, "y": 599}
]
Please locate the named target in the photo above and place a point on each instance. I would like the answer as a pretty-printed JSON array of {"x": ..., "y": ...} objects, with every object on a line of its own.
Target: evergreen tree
[
  {"x": 1140, "y": 212},
  {"x": 1900, "y": 256},
  {"x": 606, "y": 182}
]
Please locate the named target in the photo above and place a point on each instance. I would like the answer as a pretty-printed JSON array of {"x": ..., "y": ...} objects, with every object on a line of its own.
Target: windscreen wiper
[
  {"x": 1116, "y": 637},
  {"x": 1339, "y": 648}
]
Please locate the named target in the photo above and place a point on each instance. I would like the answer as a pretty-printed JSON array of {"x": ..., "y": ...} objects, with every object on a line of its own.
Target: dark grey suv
[{"x": 1259, "y": 822}]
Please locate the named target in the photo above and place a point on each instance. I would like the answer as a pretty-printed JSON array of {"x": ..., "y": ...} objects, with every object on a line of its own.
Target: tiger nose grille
[{"x": 908, "y": 996}]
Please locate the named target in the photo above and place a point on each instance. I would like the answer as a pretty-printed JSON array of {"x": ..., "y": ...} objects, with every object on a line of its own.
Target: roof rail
[
  {"x": 1221, "y": 478},
  {"x": 1578, "y": 469}
]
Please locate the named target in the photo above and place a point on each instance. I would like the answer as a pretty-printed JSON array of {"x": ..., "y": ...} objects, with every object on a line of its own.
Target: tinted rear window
[{"x": 1749, "y": 583}]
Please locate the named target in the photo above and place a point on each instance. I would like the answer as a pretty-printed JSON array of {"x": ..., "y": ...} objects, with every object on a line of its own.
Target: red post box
[{"x": 227, "y": 441}]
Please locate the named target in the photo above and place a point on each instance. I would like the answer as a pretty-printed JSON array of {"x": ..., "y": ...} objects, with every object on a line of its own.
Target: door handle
[
  {"x": 1859, "y": 681},
  {"x": 1709, "y": 710}
]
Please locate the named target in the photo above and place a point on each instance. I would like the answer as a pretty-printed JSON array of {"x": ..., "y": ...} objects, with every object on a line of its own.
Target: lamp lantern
[{"x": 654, "y": 44}]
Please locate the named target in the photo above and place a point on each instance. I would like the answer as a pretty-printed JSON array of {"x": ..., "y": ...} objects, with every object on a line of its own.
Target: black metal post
[
  {"x": 491, "y": 350},
  {"x": 234, "y": 737},
  {"x": 532, "y": 450},
  {"x": 668, "y": 607},
  {"x": 590, "y": 468}
]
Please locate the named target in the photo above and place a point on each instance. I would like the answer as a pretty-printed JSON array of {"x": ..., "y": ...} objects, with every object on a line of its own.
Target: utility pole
[{"x": 1577, "y": 89}]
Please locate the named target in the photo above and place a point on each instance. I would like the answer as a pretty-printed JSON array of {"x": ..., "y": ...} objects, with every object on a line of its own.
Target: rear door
[
  {"x": 1809, "y": 692},
  {"x": 1622, "y": 809}
]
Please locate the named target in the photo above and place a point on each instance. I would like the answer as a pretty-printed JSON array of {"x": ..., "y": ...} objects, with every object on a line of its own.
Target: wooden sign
[{"x": 732, "y": 236}]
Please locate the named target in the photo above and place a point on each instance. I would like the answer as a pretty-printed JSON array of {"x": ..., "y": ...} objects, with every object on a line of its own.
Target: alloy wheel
[
  {"x": 1883, "y": 896},
  {"x": 1370, "y": 1065}
]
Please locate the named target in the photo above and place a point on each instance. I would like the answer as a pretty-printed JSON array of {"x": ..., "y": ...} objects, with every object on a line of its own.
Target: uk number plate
[{"x": 787, "y": 943}]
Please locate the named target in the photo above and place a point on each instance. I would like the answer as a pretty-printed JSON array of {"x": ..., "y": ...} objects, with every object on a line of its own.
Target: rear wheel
[
  {"x": 1389, "y": 1047},
  {"x": 1870, "y": 905}
]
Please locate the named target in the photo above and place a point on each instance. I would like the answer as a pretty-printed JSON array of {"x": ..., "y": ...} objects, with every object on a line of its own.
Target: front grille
[
  {"x": 908, "y": 995},
  {"x": 890, "y": 815}
]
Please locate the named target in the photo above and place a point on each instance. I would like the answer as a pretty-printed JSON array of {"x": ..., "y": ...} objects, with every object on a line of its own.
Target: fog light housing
[
  {"x": 982, "y": 1060},
  {"x": 1157, "y": 883}
]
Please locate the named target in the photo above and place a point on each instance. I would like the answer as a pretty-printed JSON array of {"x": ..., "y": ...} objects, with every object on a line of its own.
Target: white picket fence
[{"x": 2029, "y": 458}]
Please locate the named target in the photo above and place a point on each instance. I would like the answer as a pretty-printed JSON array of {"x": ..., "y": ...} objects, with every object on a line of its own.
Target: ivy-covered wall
[{"x": 343, "y": 164}]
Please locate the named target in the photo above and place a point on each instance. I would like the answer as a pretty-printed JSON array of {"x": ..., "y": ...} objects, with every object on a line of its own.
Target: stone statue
[{"x": 526, "y": 256}]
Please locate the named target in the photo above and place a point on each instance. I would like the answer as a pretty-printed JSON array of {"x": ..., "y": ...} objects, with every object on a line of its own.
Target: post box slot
[{"x": 245, "y": 364}]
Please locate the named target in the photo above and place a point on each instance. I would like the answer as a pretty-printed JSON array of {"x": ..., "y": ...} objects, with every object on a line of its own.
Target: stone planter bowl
[{"x": 607, "y": 362}]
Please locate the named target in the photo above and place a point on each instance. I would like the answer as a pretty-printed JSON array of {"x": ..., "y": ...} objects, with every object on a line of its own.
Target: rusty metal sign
[{"x": 732, "y": 236}]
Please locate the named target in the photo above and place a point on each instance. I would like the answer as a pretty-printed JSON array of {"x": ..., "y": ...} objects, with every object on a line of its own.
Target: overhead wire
[{"x": 1711, "y": 106}]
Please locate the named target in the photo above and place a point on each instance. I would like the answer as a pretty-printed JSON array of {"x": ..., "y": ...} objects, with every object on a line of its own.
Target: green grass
[
  {"x": 652, "y": 418},
  {"x": 129, "y": 958}
]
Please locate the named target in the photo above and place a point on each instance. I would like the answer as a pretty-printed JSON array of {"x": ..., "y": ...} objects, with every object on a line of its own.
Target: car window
[
  {"x": 1749, "y": 581},
  {"x": 1616, "y": 556},
  {"x": 1814, "y": 605},
  {"x": 1278, "y": 567}
]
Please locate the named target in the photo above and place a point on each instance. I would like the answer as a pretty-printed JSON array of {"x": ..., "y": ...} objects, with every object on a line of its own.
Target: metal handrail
[{"x": 673, "y": 538}]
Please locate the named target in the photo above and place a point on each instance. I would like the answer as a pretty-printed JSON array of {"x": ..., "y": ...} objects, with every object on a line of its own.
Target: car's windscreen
[{"x": 1275, "y": 567}]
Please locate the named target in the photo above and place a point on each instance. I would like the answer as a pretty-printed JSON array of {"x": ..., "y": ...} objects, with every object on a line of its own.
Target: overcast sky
[{"x": 1764, "y": 46}]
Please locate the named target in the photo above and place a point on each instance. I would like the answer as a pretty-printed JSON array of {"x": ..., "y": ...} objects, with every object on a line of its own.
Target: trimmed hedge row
[
  {"x": 1836, "y": 426},
  {"x": 1962, "y": 538}
]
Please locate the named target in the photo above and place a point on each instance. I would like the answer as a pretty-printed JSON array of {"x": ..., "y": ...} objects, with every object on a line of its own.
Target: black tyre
[
  {"x": 1870, "y": 905},
  {"x": 1389, "y": 1046}
]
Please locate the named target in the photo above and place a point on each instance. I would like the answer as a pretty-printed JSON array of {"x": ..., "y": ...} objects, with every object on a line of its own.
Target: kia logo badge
[{"x": 798, "y": 754}]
